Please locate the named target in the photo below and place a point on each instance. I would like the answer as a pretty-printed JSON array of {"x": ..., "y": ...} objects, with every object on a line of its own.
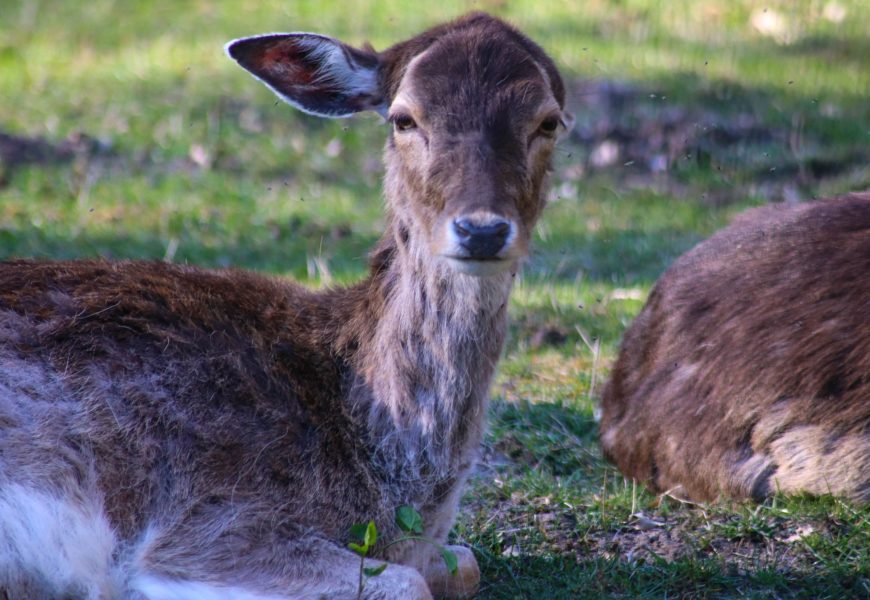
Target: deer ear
[{"x": 314, "y": 73}]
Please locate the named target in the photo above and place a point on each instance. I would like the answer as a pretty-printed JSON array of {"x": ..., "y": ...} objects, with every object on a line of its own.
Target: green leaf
[
  {"x": 450, "y": 560},
  {"x": 371, "y": 534},
  {"x": 361, "y": 550},
  {"x": 374, "y": 571},
  {"x": 358, "y": 532},
  {"x": 408, "y": 519}
]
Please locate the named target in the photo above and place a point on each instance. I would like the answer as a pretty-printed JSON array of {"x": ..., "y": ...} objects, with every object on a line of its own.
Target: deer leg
[
  {"x": 308, "y": 567},
  {"x": 462, "y": 584}
]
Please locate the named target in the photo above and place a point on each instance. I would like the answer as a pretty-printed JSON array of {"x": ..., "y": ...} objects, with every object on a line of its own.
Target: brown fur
[
  {"x": 748, "y": 370},
  {"x": 227, "y": 429}
]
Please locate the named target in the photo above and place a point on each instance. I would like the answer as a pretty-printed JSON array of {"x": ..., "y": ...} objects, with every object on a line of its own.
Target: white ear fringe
[{"x": 335, "y": 68}]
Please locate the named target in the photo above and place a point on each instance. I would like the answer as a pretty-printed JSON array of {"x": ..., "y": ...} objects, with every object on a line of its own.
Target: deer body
[
  {"x": 748, "y": 370},
  {"x": 211, "y": 434}
]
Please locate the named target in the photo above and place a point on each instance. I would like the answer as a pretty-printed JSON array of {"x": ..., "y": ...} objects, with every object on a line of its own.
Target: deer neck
[{"x": 429, "y": 358}]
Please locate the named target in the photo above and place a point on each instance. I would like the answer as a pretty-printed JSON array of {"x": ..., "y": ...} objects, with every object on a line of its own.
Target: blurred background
[{"x": 126, "y": 133}]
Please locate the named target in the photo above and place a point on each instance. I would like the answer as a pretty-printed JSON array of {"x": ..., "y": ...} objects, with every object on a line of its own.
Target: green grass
[{"x": 737, "y": 102}]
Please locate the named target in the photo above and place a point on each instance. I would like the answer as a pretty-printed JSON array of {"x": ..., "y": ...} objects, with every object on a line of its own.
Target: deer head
[{"x": 474, "y": 107}]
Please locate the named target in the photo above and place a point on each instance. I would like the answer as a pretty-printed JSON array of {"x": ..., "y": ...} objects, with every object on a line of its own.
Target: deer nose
[{"x": 481, "y": 241}]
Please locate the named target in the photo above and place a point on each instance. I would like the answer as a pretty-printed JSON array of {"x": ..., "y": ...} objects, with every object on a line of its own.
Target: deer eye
[
  {"x": 403, "y": 122},
  {"x": 549, "y": 125}
]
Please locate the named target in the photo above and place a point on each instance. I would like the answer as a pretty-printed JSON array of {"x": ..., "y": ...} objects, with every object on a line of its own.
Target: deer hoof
[{"x": 462, "y": 584}]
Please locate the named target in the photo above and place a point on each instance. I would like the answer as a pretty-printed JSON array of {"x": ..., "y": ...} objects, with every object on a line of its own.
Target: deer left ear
[{"x": 316, "y": 74}]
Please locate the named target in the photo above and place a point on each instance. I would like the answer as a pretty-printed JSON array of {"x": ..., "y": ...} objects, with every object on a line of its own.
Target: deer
[
  {"x": 747, "y": 372},
  {"x": 169, "y": 431}
]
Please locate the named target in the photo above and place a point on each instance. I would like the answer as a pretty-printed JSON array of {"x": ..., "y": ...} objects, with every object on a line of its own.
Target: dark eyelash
[{"x": 403, "y": 122}]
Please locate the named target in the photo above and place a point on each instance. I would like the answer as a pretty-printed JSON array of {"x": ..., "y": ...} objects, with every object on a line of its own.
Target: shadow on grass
[
  {"x": 557, "y": 437},
  {"x": 631, "y": 256},
  {"x": 564, "y": 577},
  {"x": 716, "y": 139}
]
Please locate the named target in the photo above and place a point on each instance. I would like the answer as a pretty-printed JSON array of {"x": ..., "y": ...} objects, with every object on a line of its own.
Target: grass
[{"x": 687, "y": 112}]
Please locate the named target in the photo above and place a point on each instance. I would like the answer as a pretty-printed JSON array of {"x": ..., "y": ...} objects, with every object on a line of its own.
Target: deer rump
[
  {"x": 748, "y": 370},
  {"x": 173, "y": 432}
]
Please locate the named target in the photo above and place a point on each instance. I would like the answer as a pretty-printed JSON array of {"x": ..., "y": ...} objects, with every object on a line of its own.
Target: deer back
[{"x": 748, "y": 370}]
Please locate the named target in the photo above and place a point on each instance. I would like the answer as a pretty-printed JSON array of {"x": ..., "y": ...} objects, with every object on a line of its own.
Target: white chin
[{"x": 479, "y": 268}]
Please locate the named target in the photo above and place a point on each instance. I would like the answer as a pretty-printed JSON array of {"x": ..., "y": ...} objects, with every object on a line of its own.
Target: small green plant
[
  {"x": 367, "y": 535},
  {"x": 751, "y": 524},
  {"x": 411, "y": 523}
]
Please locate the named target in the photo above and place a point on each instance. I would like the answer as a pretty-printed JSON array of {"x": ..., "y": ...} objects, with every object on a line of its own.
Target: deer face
[
  {"x": 474, "y": 109},
  {"x": 474, "y": 122}
]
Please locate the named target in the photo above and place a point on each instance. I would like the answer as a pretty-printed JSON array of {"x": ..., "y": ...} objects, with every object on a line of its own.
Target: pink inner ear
[
  {"x": 314, "y": 73},
  {"x": 287, "y": 60}
]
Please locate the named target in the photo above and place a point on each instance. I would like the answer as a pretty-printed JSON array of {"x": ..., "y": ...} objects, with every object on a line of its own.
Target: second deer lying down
[
  {"x": 172, "y": 432},
  {"x": 748, "y": 370}
]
